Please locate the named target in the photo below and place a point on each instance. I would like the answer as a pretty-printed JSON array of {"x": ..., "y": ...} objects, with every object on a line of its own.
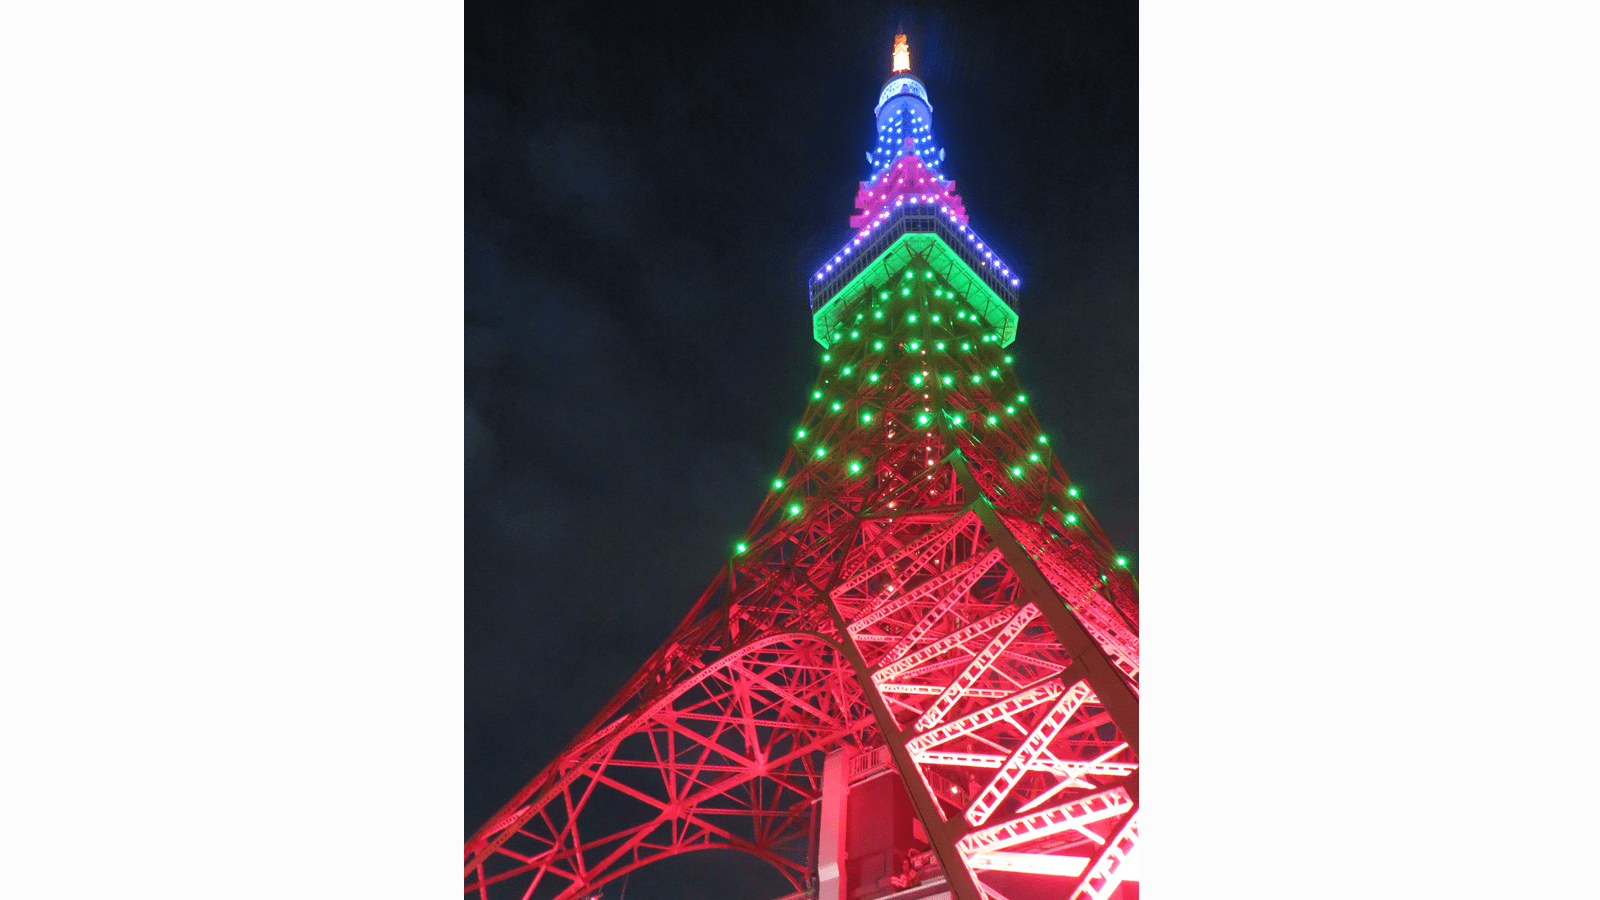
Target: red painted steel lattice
[
  {"x": 912, "y": 583},
  {"x": 922, "y": 585}
]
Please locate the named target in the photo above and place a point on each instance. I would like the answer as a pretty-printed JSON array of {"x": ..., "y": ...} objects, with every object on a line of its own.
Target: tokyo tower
[{"x": 918, "y": 674}]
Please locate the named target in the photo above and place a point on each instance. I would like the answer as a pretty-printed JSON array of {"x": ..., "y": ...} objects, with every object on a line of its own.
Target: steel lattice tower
[{"x": 922, "y": 594}]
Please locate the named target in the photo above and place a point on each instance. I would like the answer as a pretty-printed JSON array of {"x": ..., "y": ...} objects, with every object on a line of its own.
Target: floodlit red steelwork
[{"x": 922, "y": 589}]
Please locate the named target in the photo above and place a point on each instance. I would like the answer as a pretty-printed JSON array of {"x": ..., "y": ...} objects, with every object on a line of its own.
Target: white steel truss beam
[
  {"x": 921, "y": 629},
  {"x": 1063, "y": 767},
  {"x": 1073, "y": 771},
  {"x": 963, "y": 576},
  {"x": 975, "y": 669},
  {"x": 1116, "y": 863},
  {"x": 1074, "y": 814},
  {"x": 1043, "y": 733},
  {"x": 1026, "y": 699},
  {"x": 916, "y": 566},
  {"x": 942, "y": 645},
  {"x": 931, "y": 689},
  {"x": 917, "y": 546},
  {"x": 1033, "y": 863}
]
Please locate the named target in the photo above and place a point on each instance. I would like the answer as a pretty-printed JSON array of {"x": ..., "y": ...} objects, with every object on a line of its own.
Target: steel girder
[{"x": 922, "y": 581}]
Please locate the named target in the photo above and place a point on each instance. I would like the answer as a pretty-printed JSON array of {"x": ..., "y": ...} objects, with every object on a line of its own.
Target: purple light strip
[{"x": 972, "y": 238}]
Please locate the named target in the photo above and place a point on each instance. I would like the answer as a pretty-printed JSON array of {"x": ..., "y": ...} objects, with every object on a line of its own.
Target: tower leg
[{"x": 831, "y": 842}]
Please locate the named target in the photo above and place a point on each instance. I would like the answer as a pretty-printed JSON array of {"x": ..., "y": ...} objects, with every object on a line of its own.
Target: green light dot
[
  {"x": 1072, "y": 492},
  {"x": 965, "y": 345},
  {"x": 977, "y": 379},
  {"x": 740, "y": 547},
  {"x": 916, "y": 379},
  {"x": 836, "y": 335},
  {"x": 1102, "y": 578},
  {"x": 939, "y": 346},
  {"x": 936, "y": 317},
  {"x": 961, "y": 315},
  {"x": 777, "y": 484},
  {"x": 1033, "y": 457},
  {"x": 873, "y": 377},
  {"x": 994, "y": 373},
  {"x": 1012, "y": 410},
  {"x": 905, "y": 292},
  {"x": 794, "y": 510},
  {"x": 866, "y": 417},
  {"x": 927, "y": 274},
  {"x": 878, "y": 313},
  {"x": 923, "y": 418},
  {"x": 911, "y": 318},
  {"x": 801, "y": 433},
  {"x": 836, "y": 406},
  {"x": 993, "y": 420},
  {"x": 1008, "y": 360},
  {"x": 1022, "y": 398},
  {"x": 826, "y": 357},
  {"x": 1017, "y": 471},
  {"x": 883, "y": 296},
  {"x": 816, "y": 395},
  {"x": 845, "y": 371},
  {"x": 822, "y": 451},
  {"x": 855, "y": 334},
  {"x": 1072, "y": 518},
  {"x": 855, "y": 467},
  {"x": 877, "y": 345},
  {"x": 948, "y": 379},
  {"x": 955, "y": 420},
  {"x": 1122, "y": 560},
  {"x": 1042, "y": 440},
  {"x": 915, "y": 344}
]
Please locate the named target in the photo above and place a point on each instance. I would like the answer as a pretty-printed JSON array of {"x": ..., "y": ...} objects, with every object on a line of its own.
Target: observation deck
[{"x": 927, "y": 229}]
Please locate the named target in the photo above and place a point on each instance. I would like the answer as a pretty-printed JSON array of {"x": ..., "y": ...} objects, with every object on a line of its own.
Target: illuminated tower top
[
  {"x": 905, "y": 117},
  {"x": 907, "y": 207}
]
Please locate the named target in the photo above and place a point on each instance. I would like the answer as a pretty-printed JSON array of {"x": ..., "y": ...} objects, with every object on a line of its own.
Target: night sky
[{"x": 647, "y": 191}]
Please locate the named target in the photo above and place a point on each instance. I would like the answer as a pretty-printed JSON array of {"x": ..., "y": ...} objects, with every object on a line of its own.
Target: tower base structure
[{"x": 872, "y": 846}]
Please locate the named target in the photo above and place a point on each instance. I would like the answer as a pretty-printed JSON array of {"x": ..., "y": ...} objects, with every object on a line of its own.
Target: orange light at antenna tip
[{"x": 902, "y": 55}]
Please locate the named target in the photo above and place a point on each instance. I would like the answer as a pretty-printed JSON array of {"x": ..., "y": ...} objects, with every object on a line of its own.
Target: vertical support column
[
  {"x": 1099, "y": 671},
  {"x": 830, "y": 842},
  {"x": 941, "y": 833}
]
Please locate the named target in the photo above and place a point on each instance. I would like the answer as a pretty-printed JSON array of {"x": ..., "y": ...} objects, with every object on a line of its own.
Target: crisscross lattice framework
[{"x": 922, "y": 581}]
